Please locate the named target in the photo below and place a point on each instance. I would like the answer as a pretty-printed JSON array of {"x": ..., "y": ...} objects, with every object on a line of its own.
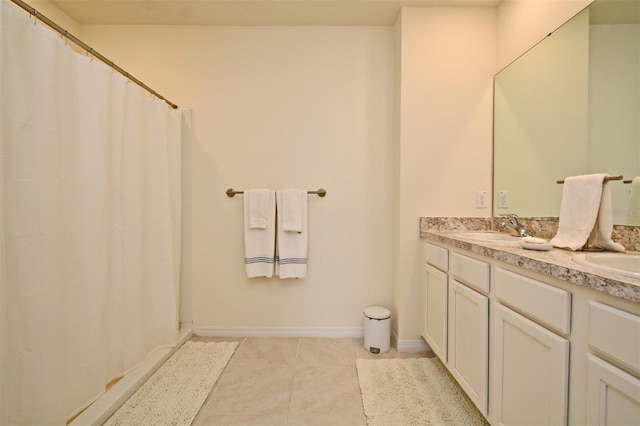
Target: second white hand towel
[
  {"x": 603, "y": 229},
  {"x": 259, "y": 243},
  {"x": 291, "y": 251},
  {"x": 585, "y": 214},
  {"x": 290, "y": 209},
  {"x": 579, "y": 207}
]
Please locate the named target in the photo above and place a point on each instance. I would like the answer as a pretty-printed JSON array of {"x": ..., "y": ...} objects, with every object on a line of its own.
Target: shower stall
[{"x": 93, "y": 277}]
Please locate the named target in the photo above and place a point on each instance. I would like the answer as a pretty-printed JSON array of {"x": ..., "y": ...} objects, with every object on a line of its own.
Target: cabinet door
[
  {"x": 469, "y": 342},
  {"x": 434, "y": 310},
  {"x": 531, "y": 372},
  {"x": 613, "y": 396}
]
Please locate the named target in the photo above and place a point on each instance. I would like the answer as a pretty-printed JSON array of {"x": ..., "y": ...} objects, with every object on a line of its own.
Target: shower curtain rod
[{"x": 33, "y": 12}]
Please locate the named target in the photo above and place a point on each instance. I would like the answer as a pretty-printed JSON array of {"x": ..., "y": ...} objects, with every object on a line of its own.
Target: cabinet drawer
[
  {"x": 436, "y": 256},
  {"x": 472, "y": 272},
  {"x": 615, "y": 333},
  {"x": 549, "y": 305}
]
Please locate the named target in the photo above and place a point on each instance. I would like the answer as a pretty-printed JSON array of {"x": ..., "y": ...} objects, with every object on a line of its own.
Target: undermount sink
[
  {"x": 626, "y": 265},
  {"x": 489, "y": 237}
]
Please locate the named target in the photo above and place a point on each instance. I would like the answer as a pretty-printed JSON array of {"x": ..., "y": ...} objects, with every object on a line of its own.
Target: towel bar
[
  {"x": 232, "y": 192},
  {"x": 606, "y": 179}
]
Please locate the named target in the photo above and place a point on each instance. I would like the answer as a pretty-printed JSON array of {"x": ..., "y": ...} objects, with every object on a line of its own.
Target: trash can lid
[{"x": 377, "y": 312}]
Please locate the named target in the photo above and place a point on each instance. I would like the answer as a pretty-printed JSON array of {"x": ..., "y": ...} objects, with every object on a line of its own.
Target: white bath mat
[
  {"x": 176, "y": 391},
  {"x": 413, "y": 392}
]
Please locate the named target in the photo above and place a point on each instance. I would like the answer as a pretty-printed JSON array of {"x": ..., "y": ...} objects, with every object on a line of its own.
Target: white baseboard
[
  {"x": 279, "y": 331},
  {"x": 405, "y": 345},
  {"x": 411, "y": 345}
]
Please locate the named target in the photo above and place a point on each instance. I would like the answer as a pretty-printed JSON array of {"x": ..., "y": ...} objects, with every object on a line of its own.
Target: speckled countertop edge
[{"x": 556, "y": 262}]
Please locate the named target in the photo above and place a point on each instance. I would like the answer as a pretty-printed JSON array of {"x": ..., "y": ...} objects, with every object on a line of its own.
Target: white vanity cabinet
[
  {"x": 434, "y": 295},
  {"x": 530, "y": 358},
  {"x": 529, "y": 347},
  {"x": 613, "y": 366},
  {"x": 469, "y": 327},
  {"x": 455, "y": 317}
]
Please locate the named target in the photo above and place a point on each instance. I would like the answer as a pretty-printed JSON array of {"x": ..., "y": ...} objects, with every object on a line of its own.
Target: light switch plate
[{"x": 482, "y": 199}]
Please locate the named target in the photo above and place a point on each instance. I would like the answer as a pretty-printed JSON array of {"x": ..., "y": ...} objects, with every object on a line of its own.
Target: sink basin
[
  {"x": 489, "y": 237},
  {"x": 626, "y": 265}
]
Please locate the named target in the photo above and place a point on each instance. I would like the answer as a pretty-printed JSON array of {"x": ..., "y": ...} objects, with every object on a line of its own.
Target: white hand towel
[
  {"x": 579, "y": 207},
  {"x": 582, "y": 201},
  {"x": 257, "y": 202},
  {"x": 290, "y": 207},
  {"x": 601, "y": 234},
  {"x": 259, "y": 243},
  {"x": 633, "y": 211},
  {"x": 291, "y": 251}
]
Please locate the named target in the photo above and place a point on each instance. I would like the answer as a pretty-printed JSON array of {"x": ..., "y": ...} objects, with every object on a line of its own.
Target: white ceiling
[{"x": 247, "y": 12}]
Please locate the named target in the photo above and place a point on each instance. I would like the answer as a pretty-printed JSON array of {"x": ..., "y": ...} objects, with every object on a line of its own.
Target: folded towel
[
  {"x": 259, "y": 243},
  {"x": 579, "y": 207},
  {"x": 633, "y": 211},
  {"x": 586, "y": 200},
  {"x": 291, "y": 209},
  {"x": 258, "y": 205},
  {"x": 601, "y": 234},
  {"x": 291, "y": 250}
]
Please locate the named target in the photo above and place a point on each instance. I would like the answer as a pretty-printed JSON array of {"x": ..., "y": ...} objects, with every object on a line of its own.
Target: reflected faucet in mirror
[{"x": 514, "y": 225}]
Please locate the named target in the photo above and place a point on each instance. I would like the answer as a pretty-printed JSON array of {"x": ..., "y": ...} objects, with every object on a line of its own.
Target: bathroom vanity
[{"x": 531, "y": 336}]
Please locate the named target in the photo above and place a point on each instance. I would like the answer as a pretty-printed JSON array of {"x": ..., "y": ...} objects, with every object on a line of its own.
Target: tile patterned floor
[{"x": 290, "y": 381}]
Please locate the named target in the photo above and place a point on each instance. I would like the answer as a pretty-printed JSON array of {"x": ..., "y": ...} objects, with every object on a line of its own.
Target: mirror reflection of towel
[
  {"x": 585, "y": 214},
  {"x": 600, "y": 236}
]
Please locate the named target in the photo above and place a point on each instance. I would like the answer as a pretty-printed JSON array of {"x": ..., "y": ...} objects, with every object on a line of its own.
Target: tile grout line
[
  {"x": 355, "y": 347},
  {"x": 220, "y": 378},
  {"x": 293, "y": 378}
]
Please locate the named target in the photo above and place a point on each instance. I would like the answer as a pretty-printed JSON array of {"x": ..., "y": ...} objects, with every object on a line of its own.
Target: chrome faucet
[{"x": 514, "y": 225}]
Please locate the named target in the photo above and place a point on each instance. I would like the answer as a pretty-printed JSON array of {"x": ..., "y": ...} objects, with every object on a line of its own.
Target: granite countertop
[{"x": 556, "y": 263}]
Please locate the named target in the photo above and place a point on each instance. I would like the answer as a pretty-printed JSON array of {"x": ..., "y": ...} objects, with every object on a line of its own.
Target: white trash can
[{"x": 377, "y": 328}]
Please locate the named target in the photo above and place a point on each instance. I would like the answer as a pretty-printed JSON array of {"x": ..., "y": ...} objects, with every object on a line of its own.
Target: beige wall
[
  {"x": 446, "y": 63},
  {"x": 523, "y": 23},
  {"x": 280, "y": 107}
]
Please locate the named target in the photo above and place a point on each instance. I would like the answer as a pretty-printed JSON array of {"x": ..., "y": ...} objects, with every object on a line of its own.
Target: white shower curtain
[{"x": 90, "y": 198}]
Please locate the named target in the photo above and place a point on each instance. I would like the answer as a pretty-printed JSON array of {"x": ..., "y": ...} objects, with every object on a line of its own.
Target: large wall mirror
[{"x": 571, "y": 106}]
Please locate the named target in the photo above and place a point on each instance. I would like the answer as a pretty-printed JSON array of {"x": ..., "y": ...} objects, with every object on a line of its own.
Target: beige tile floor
[{"x": 290, "y": 381}]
